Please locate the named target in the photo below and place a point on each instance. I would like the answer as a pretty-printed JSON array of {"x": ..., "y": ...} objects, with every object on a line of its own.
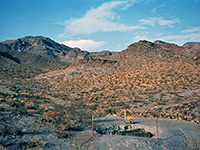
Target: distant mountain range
[
  {"x": 29, "y": 56},
  {"x": 43, "y": 46}
]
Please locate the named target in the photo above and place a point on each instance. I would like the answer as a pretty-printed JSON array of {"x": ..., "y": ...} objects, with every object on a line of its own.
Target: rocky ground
[
  {"x": 32, "y": 132},
  {"x": 172, "y": 135}
]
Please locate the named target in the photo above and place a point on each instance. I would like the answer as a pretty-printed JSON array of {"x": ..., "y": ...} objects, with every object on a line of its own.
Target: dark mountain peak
[
  {"x": 159, "y": 42},
  {"x": 191, "y": 43},
  {"x": 35, "y": 44},
  {"x": 34, "y": 37},
  {"x": 45, "y": 46},
  {"x": 144, "y": 42},
  {"x": 26, "y": 38}
]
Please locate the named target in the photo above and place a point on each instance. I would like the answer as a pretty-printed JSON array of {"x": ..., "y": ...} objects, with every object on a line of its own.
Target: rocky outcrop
[{"x": 123, "y": 130}]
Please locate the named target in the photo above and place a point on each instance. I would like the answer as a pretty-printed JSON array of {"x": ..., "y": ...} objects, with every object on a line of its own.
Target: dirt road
[{"x": 173, "y": 134}]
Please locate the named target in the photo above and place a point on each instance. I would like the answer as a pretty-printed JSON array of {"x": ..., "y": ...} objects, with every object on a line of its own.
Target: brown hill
[
  {"x": 140, "y": 77},
  {"x": 189, "y": 49}
]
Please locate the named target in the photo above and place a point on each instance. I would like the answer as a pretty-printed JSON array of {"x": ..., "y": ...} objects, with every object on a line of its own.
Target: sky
[{"x": 97, "y": 25}]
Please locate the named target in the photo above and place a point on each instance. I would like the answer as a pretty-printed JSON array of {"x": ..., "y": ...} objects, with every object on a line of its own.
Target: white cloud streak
[
  {"x": 143, "y": 37},
  {"x": 154, "y": 10},
  {"x": 84, "y": 44},
  {"x": 191, "y": 30},
  {"x": 181, "y": 39},
  {"x": 100, "y": 19},
  {"x": 158, "y": 21}
]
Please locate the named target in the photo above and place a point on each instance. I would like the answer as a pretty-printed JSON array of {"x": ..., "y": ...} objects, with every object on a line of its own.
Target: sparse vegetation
[{"x": 138, "y": 79}]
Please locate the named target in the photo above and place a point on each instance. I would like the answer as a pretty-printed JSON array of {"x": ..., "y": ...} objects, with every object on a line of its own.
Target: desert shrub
[
  {"x": 64, "y": 134},
  {"x": 19, "y": 105},
  {"x": 8, "y": 125},
  {"x": 9, "y": 132},
  {"x": 2, "y": 147},
  {"x": 36, "y": 143},
  {"x": 70, "y": 118}
]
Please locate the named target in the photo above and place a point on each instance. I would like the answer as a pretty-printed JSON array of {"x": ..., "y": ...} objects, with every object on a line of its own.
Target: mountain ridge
[
  {"x": 44, "y": 46},
  {"x": 191, "y": 43}
]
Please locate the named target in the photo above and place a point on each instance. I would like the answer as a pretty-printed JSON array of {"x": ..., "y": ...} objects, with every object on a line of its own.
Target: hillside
[
  {"x": 44, "y": 46},
  {"x": 139, "y": 78},
  {"x": 14, "y": 64}
]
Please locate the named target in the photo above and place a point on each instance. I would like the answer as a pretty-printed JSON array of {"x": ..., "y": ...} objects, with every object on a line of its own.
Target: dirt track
[{"x": 173, "y": 134}]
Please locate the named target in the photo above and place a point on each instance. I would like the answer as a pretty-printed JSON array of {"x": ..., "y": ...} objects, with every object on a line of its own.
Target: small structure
[{"x": 125, "y": 115}]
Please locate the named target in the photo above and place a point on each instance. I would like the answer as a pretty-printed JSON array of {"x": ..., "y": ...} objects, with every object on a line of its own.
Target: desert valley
[{"x": 49, "y": 93}]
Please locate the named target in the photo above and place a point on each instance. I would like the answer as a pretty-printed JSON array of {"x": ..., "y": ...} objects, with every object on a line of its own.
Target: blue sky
[{"x": 96, "y": 25}]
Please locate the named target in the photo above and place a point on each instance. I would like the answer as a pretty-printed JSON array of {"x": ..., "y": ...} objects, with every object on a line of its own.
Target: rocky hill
[
  {"x": 43, "y": 46},
  {"x": 189, "y": 49},
  {"x": 139, "y": 78}
]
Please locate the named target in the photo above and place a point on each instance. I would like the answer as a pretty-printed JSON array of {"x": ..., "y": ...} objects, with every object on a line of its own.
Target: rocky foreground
[{"x": 172, "y": 135}]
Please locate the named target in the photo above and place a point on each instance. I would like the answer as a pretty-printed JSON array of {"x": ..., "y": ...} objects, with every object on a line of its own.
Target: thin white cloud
[
  {"x": 84, "y": 44},
  {"x": 181, "y": 39},
  {"x": 100, "y": 19},
  {"x": 143, "y": 37},
  {"x": 154, "y": 10},
  {"x": 189, "y": 35},
  {"x": 192, "y": 30},
  {"x": 159, "y": 21},
  {"x": 128, "y": 4}
]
